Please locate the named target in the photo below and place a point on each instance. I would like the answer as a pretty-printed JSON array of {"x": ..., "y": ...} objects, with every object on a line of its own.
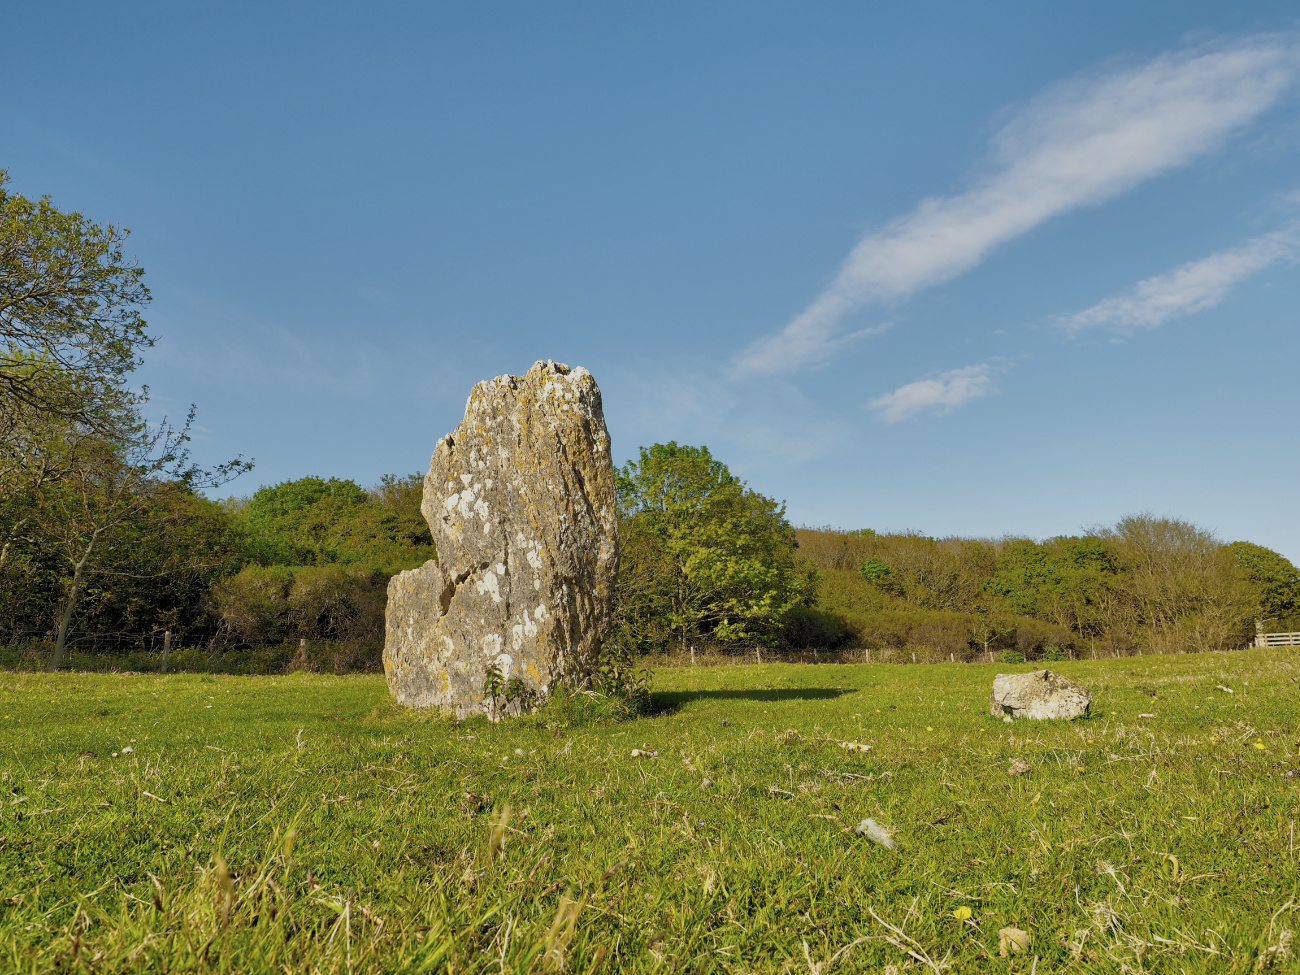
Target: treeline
[
  {"x": 308, "y": 559},
  {"x": 107, "y": 541},
  {"x": 1146, "y": 585}
]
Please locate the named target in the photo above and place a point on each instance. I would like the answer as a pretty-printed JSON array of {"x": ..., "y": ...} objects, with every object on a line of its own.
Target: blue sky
[{"x": 964, "y": 268}]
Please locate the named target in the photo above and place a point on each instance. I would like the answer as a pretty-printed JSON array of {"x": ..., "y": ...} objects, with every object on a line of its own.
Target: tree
[
  {"x": 107, "y": 508},
  {"x": 70, "y": 331},
  {"x": 703, "y": 556},
  {"x": 70, "y": 326},
  {"x": 314, "y": 521},
  {"x": 1272, "y": 577},
  {"x": 1178, "y": 586}
]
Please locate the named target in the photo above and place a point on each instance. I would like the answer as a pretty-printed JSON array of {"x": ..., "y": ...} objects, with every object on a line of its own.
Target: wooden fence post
[{"x": 167, "y": 648}]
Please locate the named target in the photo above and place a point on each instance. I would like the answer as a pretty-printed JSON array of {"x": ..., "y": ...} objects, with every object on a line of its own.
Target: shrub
[
  {"x": 874, "y": 568},
  {"x": 254, "y": 604},
  {"x": 1011, "y": 657},
  {"x": 1053, "y": 653},
  {"x": 267, "y": 604},
  {"x": 333, "y": 603},
  {"x": 815, "y": 629}
]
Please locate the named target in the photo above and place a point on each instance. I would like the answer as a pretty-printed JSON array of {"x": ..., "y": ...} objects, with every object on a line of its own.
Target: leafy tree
[
  {"x": 874, "y": 569},
  {"x": 1272, "y": 577},
  {"x": 703, "y": 556},
  {"x": 314, "y": 521},
  {"x": 1065, "y": 580},
  {"x": 70, "y": 332}
]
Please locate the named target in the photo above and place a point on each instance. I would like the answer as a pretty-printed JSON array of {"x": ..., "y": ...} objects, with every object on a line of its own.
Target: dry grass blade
[
  {"x": 561, "y": 933},
  {"x": 225, "y": 889},
  {"x": 907, "y": 944},
  {"x": 497, "y": 835}
]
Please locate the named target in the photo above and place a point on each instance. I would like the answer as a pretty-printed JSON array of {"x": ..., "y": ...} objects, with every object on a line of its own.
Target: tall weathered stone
[{"x": 521, "y": 502}]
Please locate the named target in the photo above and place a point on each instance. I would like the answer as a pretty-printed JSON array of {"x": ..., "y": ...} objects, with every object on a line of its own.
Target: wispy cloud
[
  {"x": 1193, "y": 287},
  {"x": 1080, "y": 143},
  {"x": 939, "y": 394}
]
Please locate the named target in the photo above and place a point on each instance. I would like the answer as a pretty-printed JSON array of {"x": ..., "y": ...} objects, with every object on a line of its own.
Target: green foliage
[
  {"x": 263, "y": 604},
  {"x": 70, "y": 325},
  {"x": 1011, "y": 657},
  {"x": 1053, "y": 654},
  {"x": 874, "y": 569},
  {"x": 1274, "y": 580},
  {"x": 703, "y": 558},
  {"x": 807, "y": 628},
  {"x": 270, "y": 504},
  {"x": 1064, "y": 579},
  {"x": 618, "y": 677},
  {"x": 1148, "y": 584},
  {"x": 313, "y": 521},
  {"x": 494, "y": 684}
]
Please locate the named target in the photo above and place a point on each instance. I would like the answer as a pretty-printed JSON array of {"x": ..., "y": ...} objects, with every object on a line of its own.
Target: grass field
[{"x": 306, "y": 823}]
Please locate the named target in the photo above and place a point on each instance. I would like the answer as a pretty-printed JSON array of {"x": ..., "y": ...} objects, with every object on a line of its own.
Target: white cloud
[
  {"x": 1195, "y": 286},
  {"x": 1080, "y": 143},
  {"x": 941, "y": 394}
]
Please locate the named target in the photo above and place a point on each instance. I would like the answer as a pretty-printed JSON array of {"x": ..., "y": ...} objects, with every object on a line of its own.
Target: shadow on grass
[{"x": 667, "y": 702}]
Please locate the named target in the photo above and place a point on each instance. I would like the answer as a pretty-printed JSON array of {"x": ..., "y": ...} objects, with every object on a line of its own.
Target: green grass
[{"x": 1136, "y": 843}]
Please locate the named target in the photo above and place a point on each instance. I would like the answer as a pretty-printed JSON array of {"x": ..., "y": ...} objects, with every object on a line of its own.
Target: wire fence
[{"x": 175, "y": 651}]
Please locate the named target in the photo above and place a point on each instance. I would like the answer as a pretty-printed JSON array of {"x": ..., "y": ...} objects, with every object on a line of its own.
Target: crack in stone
[{"x": 452, "y": 584}]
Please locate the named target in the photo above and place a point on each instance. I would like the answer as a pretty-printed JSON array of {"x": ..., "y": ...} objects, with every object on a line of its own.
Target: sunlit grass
[{"x": 307, "y": 823}]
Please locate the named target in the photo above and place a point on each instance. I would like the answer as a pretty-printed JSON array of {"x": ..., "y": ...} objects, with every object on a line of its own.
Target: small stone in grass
[
  {"x": 1012, "y": 940},
  {"x": 705, "y": 784},
  {"x": 127, "y": 750},
  {"x": 873, "y": 831},
  {"x": 724, "y": 722},
  {"x": 644, "y": 753},
  {"x": 519, "y": 752},
  {"x": 1019, "y": 767}
]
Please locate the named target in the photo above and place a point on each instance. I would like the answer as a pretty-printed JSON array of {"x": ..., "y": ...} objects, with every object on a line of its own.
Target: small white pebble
[
  {"x": 519, "y": 752},
  {"x": 127, "y": 750},
  {"x": 1007, "y": 719},
  {"x": 873, "y": 831}
]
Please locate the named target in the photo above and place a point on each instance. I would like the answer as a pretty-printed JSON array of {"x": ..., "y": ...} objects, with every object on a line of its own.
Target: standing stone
[
  {"x": 1041, "y": 694},
  {"x": 520, "y": 499}
]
